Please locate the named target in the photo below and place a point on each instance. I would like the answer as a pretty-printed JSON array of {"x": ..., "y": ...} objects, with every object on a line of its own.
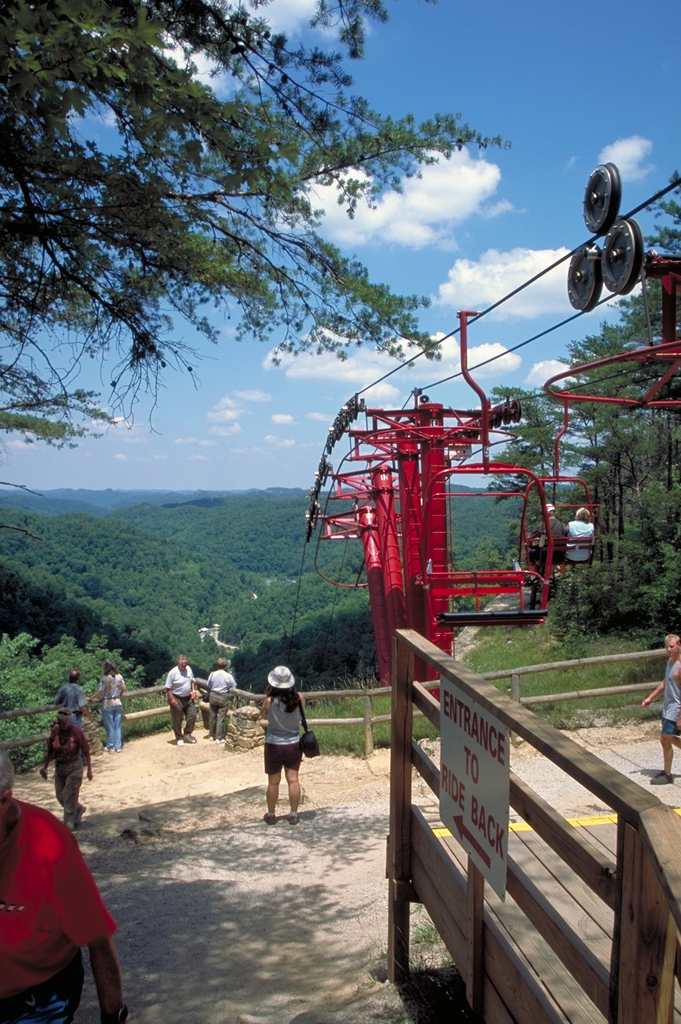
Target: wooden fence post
[
  {"x": 368, "y": 728},
  {"x": 475, "y": 968},
  {"x": 644, "y": 942},
  {"x": 515, "y": 687},
  {"x": 400, "y": 814}
]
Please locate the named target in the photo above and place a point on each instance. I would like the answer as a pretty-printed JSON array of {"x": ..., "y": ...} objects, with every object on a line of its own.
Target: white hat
[
  {"x": 280, "y": 678},
  {"x": 550, "y": 509}
]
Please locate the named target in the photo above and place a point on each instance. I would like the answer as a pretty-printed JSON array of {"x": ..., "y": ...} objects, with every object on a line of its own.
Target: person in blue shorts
[{"x": 671, "y": 709}]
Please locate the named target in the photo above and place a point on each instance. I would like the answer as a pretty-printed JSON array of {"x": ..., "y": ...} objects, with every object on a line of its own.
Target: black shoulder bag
[{"x": 308, "y": 741}]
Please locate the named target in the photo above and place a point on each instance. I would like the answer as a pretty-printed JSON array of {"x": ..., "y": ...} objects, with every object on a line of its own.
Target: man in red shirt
[{"x": 49, "y": 908}]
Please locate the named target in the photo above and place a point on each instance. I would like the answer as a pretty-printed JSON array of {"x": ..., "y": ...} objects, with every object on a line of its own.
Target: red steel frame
[{"x": 394, "y": 499}]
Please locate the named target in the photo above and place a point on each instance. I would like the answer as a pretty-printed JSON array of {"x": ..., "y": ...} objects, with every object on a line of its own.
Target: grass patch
[
  {"x": 511, "y": 648},
  {"x": 349, "y": 739}
]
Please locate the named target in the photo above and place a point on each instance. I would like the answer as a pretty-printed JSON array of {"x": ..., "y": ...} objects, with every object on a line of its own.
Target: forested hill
[
  {"x": 148, "y": 577},
  {"x": 149, "y": 595}
]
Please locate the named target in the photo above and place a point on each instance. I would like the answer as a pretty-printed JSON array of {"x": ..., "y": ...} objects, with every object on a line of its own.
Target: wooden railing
[
  {"x": 642, "y": 886},
  {"x": 368, "y": 719}
]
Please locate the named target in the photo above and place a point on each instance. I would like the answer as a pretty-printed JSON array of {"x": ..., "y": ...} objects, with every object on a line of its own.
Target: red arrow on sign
[{"x": 470, "y": 838}]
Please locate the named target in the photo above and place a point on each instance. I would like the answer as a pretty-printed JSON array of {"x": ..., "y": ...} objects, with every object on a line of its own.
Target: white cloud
[
  {"x": 120, "y": 457},
  {"x": 477, "y": 284},
  {"x": 226, "y": 411},
  {"x": 197, "y": 458},
  {"x": 628, "y": 154},
  {"x": 207, "y": 444},
  {"x": 284, "y": 442},
  {"x": 226, "y": 431},
  {"x": 289, "y": 15},
  {"x": 320, "y": 417},
  {"x": 253, "y": 396},
  {"x": 503, "y": 361},
  {"x": 383, "y": 393},
  {"x": 359, "y": 369},
  {"x": 282, "y": 418},
  {"x": 185, "y": 440},
  {"x": 425, "y": 212},
  {"x": 544, "y": 369}
]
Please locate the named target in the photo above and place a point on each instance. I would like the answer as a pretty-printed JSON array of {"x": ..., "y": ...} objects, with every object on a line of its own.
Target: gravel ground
[{"x": 223, "y": 918}]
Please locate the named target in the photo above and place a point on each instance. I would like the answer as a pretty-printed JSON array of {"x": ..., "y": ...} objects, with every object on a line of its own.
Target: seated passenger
[
  {"x": 580, "y": 537},
  {"x": 557, "y": 528}
]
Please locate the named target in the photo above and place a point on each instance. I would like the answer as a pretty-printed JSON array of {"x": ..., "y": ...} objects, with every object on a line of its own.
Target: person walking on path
[
  {"x": 220, "y": 683},
  {"x": 671, "y": 709},
  {"x": 68, "y": 747},
  {"x": 281, "y": 708},
  {"x": 181, "y": 689},
  {"x": 72, "y": 696},
  {"x": 111, "y": 689},
  {"x": 55, "y": 909}
]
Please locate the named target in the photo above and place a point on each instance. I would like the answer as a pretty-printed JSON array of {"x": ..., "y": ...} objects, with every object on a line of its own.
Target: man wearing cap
[
  {"x": 181, "y": 690},
  {"x": 67, "y": 746},
  {"x": 49, "y": 908},
  {"x": 557, "y": 528}
]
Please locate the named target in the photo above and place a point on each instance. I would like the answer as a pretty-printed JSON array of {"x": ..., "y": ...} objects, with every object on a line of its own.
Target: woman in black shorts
[{"x": 281, "y": 708}]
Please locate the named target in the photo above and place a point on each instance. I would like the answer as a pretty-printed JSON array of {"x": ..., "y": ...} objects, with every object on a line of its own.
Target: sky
[{"x": 569, "y": 86}]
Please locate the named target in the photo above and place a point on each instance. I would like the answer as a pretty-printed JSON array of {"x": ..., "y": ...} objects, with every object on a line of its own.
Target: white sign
[{"x": 474, "y": 782}]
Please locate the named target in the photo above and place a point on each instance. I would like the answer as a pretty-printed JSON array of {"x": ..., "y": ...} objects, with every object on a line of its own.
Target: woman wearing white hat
[{"x": 281, "y": 708}]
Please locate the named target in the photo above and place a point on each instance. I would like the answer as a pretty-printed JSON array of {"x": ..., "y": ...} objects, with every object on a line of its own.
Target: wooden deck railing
[{"x": 642, "y": 886}]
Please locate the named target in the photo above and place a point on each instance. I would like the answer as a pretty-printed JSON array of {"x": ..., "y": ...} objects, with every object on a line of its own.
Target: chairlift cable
[{"x": 637, "y": 209}]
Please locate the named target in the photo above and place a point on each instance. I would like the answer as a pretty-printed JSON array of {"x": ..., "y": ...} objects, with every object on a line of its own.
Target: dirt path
[
  {"x": 223, "y": 918},
  {"x": 221, "y": 915}
]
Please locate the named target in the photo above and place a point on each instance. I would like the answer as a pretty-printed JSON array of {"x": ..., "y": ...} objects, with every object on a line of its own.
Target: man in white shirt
[{"x": 181, "y": 690}]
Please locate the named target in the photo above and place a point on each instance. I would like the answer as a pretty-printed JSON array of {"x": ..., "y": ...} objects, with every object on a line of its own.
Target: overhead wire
[{"x": 495, "y": 305}]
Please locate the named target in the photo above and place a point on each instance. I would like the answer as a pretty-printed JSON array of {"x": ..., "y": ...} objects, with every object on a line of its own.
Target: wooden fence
[
  {"x": 369, "y": 720},
  {"x": 525, "y": 960}
]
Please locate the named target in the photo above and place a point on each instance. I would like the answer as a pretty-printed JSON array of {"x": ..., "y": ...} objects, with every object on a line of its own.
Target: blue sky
[{"x": 569, "y": 86}]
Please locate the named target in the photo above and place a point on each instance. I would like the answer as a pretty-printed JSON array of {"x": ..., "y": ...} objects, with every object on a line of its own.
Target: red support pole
[
  {"x": 383, "y": 496},
  {"x": 411, "y": 520},
  {"x": 374, "y": 569}
]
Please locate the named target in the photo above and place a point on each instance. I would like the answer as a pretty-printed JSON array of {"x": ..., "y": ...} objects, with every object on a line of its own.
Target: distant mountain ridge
[{"x": 62, "y": 500}]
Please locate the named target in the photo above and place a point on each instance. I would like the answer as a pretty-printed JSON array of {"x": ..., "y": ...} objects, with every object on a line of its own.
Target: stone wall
[{"x": 246, "y": 729}]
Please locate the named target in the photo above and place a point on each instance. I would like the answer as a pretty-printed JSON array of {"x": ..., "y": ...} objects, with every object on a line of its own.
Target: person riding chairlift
[{"x": 580, "y": 537}]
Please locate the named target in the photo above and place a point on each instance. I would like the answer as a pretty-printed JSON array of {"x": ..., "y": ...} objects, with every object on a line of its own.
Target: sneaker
[
  {"x": 189, "y": 739},
  {"x": 79, "y": 815},
  {"x": 662, "y": 779},
  {"x": 211, "y": 739},
  {"x": 180, "y": 743},
  {"x": 293, "y": 818},
  {"x": 270, "y": 818}
]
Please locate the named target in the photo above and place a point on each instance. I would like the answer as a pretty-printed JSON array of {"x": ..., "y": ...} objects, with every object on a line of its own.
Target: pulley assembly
[{"x": 618, "y": 264}]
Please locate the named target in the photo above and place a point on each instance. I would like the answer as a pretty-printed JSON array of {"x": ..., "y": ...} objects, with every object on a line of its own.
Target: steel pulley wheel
[
  {"x": 602, "y": 198},
  {"x": 585, "y": 281},
  {"x": 622, "y": 256}
]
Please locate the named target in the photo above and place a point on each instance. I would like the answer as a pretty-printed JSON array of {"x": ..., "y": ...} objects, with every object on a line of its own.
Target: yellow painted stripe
[{"x": 522, "y": 826}]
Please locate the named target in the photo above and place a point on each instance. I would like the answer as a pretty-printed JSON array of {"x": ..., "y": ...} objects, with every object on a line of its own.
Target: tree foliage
[
  {"x": 631, "y": 459},
  {"x": 133, "y": 191}
]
